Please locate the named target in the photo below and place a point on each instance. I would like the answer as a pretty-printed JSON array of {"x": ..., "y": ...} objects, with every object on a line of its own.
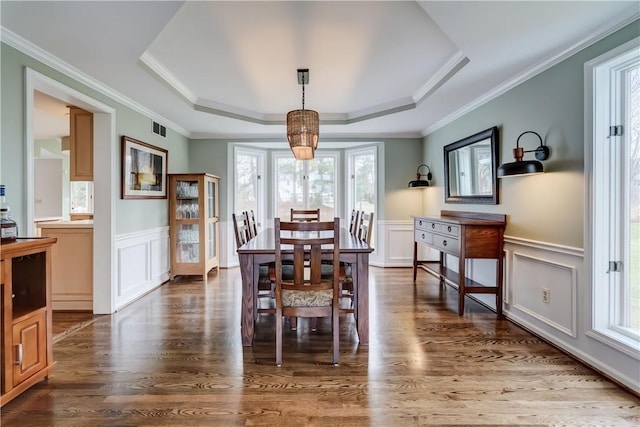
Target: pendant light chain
[{"x": 303, "y": 96}]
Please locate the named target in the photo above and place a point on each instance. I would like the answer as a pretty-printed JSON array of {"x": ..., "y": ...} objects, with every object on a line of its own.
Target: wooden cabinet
[
  {"x": 71, "y": 264},
  {"x": 193, "y": 223},
  {"x": 81, "y": 145},
  {"x": 464, "y": 235},
  {"x": 27, "y": 351}
]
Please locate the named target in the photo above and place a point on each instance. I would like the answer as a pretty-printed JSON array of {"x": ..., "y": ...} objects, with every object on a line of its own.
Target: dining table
[{"x": 261, "y": 250}]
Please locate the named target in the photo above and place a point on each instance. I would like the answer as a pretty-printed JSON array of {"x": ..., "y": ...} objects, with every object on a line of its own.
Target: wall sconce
[
  {"x": 418, "y": 182},
  {"x": 525, "y": 167}
]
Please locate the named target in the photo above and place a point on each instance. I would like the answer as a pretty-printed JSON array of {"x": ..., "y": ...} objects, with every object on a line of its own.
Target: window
[
  {"x": 362, "y": 173},
  {"x": 614, "y": 163},
  {"x": 249, "y": 183},
  {"x": 81, "y": 196},
  {"x": 306, "y": 184}
]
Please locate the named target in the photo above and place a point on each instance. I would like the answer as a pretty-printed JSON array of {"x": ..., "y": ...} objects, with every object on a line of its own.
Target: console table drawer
[
  {"x": 423, "y": 237},
  {"x": 451, "y": 230},
  {"x": 423, "y": 224},
  {"x": 446, "y": 244}
]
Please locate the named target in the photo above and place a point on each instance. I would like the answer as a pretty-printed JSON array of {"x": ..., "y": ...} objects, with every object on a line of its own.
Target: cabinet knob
[
  {"x": 449, "y": 228},
  {"x": 433, "y": 226},
  {"x": 423, "y": 235},
  {"x": 444, "y": 243},
  {"x": 420, "y": 222}
]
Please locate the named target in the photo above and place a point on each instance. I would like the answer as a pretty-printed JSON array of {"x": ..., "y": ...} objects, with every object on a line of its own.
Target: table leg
[
  {"x": 247, "y": 315},
  {"x": 461, "y": 283},
  {"x": 362, "y": 286}
]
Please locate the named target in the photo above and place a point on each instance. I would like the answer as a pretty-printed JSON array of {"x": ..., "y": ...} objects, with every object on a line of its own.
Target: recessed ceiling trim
[{"x": 451, "y": 68}]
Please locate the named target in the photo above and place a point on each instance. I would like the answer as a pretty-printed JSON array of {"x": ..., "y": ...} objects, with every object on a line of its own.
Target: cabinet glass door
[
  {"x": 188, "y": 245},
  {"x": 211, "y": 199},
  {"x": 187, "y": 206},
  {"x": 212, "y": 240}
]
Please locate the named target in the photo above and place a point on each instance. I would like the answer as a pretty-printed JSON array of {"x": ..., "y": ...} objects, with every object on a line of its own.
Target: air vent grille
[{"x": 158, "y": 129}]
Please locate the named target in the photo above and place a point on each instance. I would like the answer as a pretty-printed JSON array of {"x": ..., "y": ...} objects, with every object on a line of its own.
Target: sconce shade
[
  {"x": 419, "y": 182},
  {"x": 303, "y": 129},
  {"x": 525, "y": 167}
]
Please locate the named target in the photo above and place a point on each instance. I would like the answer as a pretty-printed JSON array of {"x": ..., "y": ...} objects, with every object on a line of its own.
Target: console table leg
[{"x": 461, "y": 284}]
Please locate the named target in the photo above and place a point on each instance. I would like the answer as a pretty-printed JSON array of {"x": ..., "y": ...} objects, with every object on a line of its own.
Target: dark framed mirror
[{"x": 470, "y": 166}]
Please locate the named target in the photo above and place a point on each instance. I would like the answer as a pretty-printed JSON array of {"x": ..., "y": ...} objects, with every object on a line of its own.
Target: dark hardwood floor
[{"x": 174, "y": 358}]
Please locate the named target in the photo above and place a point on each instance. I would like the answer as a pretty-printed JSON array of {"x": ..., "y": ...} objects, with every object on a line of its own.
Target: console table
[{"x": 465, "y": 235}]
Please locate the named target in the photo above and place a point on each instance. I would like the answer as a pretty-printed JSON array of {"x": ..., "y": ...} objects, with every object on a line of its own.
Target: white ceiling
[{"x": 214, "y": 69}]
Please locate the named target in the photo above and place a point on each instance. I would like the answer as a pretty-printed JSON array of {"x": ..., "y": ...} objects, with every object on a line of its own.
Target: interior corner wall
[
  {"x": 547, "y": 207},
  {"x": 544, "y": 239},
  {"x": 131, "y": 215}
]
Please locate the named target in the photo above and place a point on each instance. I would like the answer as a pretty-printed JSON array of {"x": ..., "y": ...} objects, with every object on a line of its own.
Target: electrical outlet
[{"x": 546, "y": 295}]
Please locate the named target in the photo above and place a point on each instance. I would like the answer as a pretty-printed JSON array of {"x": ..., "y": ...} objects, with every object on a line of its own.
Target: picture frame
[{"x": 144, "y": 170}]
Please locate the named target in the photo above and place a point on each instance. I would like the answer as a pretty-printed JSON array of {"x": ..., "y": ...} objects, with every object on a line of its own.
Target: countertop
[{"x": 82, "y": 223}]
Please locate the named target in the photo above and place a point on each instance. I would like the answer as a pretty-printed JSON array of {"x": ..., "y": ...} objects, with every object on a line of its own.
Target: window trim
[
  {"x": 261, "y": 196},
  {"x": 598, "y": 116}
]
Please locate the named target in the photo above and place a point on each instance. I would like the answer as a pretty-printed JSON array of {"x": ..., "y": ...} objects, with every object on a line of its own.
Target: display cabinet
[
  {"x": 25, "y": 280},
  {"x": 193, "y": 220}
]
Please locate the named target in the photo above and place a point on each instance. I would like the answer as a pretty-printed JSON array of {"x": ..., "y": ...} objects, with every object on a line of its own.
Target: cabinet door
[
  {"x": 29, "y": 346},
  {"x": 81, "y": 145}
]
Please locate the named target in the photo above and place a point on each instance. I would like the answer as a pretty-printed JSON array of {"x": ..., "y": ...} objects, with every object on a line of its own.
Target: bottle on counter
[{"x": 8, "y": 226}]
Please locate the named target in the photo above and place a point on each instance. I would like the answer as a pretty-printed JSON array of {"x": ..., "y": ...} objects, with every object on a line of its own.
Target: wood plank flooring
[{"x": 174, "y": 358}]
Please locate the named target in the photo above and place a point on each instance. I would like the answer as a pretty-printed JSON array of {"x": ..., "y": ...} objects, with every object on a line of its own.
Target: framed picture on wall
[{"x": 144, "y": 170}]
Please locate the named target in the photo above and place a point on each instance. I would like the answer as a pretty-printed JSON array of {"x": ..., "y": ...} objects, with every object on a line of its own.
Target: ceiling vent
[{"x": 158, "y": 129}]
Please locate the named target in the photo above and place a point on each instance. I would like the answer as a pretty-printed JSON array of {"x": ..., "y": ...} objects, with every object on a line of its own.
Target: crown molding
[
  {"x": 623, "y": 19},
  {"x": 35, "y": 52}
]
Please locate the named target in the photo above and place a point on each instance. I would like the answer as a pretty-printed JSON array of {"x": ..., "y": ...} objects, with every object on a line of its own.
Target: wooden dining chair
[
  {"x": 240, "y": 228},
  {"x": 266, "y": 285},
  {"x": 305, "y": 215},
  {"x": 353, "y": 223},
  {"x": 252, "y": 225},
  {"x": 308, "y": 293},
  {"x": 365, "y": 226}
]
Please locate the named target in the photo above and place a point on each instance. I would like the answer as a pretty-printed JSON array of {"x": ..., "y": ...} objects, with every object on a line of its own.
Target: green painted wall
[
  {"x": 210, "y": 156},
  {"x": 401, "y": 159},
  {"x": 131, "y": 215},
  {"x": 547, "y": 207}
]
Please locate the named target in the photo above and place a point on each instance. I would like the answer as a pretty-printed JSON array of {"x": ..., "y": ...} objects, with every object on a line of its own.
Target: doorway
[{"x": 105, "y": 183}]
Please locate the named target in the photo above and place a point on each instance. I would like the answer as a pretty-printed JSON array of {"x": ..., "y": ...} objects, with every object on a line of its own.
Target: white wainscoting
[
  {"x": 142, "y": 263},
  {"x": 536, "y": 266}
]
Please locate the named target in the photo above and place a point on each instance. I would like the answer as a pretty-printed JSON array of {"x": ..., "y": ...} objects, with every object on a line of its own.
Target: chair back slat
[{"x": 305, "y": 215}]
